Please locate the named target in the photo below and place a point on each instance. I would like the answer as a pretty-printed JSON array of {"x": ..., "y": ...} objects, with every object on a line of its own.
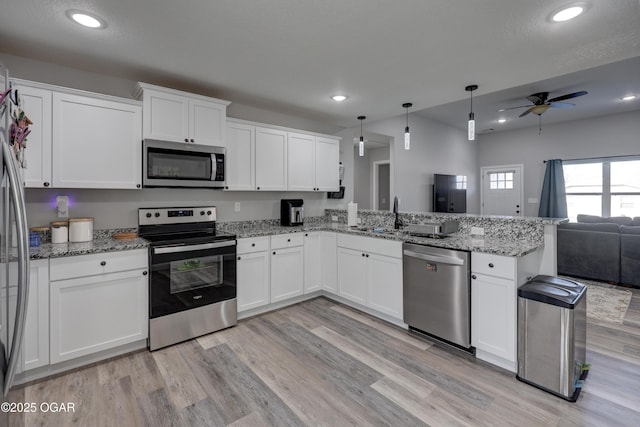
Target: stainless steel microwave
[{"x": 179, "y": 164}]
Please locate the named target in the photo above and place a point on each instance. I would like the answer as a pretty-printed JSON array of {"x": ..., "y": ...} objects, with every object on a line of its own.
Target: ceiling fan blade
[
  {"x": 513, "y": 108},
  {"x": 569, "y": 96},
  {"x": 526, "y": 112},
  {"x": 562, "y": 104}
]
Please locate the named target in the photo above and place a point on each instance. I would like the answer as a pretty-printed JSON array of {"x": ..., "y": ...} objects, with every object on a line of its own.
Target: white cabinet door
[
  {"x": 36, "y": 329},
  {"x": 493, "y": 316},
  {"x": 166, "y": 116},
  {"x": 96, "y": 143},
  {"x": 384, "y": 284},
  {"x": 312, "y": 262},
  {"x": 301, "y": 162},
  {"x": 91, "y": 314},
  {"x": 207, "y": 122},
  {"x": 253, "y": 280},
  {"x": 37, "y": 106},
  {"x": 327, "y": 157},
  {"x": 271, "y": 159},
  {"x": 329, "y": 241},
  {"x": 286, "y": 273},
  {"x": 352, "y": 270},
  {"x": 240, "y": 161}
]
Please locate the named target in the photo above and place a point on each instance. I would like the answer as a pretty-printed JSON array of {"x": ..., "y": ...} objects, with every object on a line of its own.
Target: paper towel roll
[{"x": 352, "y": 214}]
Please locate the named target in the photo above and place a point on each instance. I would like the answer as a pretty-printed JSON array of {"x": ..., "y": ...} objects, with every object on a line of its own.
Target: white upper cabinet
[
  {"x": 271, "y": 159},
  {"x": 301, "y": 162},
  {"x": 241, "y": 161},
  {"x": 327, "y": 157},
  {"x": 37, "y": 106},
  {"x": 95, "y": 143},
  {"x": 173, "y": 115}
]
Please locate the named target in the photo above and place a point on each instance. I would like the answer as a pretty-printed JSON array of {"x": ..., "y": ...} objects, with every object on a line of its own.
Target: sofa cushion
[
  {"x": 590, "y": 219},
  {"x": 636, "y": 221},
  {"x": 585, "y": 226},
  {"x": 630, "y": 255},
  {"x": 589, "y": 250}
]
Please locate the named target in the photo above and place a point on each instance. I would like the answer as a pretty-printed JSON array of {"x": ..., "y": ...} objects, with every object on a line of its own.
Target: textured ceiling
[{"x": 291, "y": 55}]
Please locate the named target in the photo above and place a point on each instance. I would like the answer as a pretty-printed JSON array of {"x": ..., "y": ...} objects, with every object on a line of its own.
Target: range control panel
[{"x": 155, "y": 216}]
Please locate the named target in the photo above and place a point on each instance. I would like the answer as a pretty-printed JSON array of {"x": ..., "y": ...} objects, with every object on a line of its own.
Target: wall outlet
[
  {"x": 477, "y": 231},
  {"x": 62, "y": 203},
  {"x": 532, "y": 200},
  {"x": 334, "y": 218},
  {"x": 237, "y": 207},
  {"x": 359, "y": 220}
]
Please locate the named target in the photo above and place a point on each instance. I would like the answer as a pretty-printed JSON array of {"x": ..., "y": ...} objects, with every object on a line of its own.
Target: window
[
  {"x": 604, "y": 187},
  {"x": 461, "y": 182},
  {"x": 501, "y": 180}
]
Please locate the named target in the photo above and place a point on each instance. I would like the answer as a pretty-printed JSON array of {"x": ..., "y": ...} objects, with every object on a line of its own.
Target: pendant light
[
  {"x": 471, "y": 129},
  {"x": 361, "y": 143},
  {"x": 407, "y": 135}
]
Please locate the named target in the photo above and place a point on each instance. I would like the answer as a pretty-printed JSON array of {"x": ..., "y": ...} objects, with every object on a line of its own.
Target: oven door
[{"x": 189, "y": 276}]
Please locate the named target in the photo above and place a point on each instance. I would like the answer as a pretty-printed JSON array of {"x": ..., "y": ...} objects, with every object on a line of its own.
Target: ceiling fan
[{"x": 540, "y": 103}]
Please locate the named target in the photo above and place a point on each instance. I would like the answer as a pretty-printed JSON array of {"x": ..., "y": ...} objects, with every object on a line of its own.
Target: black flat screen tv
[{"x": 449, "y": 193}]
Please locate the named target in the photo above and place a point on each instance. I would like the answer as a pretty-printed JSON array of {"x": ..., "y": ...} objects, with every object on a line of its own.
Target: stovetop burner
[{"x": 167, "y": 226}]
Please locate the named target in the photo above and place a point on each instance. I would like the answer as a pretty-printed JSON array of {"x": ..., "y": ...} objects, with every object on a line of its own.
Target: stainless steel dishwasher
[{"x": 437, "y": 293}]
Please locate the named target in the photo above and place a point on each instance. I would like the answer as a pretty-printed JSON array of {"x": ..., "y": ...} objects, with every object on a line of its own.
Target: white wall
[
  {"x": 614, "y": 135},
  {"x": 435, "y": 148}
]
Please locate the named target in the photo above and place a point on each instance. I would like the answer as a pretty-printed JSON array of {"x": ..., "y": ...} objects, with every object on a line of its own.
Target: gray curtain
[{"x": 553, "y": 200}]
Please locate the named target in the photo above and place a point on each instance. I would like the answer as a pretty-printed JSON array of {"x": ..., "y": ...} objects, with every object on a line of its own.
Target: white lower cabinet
[
  {"x": 494, "y": 293},
  {"x": 36, "y": 329},
  {"x": 286, "y": 273},
  {"x": 329, "y": 246},
  {"x": 352, "y": 275},
  {"x": 253, "y": 273},
  {"x": 312, "y": 262},
  {"x": 370, "y": 273},
  {"x": 100, "y": 310}
]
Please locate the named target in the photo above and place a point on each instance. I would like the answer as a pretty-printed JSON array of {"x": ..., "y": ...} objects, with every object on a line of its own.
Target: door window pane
[
  {"x": 501, "y": 181},
  {"x": 583, "y": 178},
  {"x": 583, "y": 204},
  {"x": 625, "y": 178}
]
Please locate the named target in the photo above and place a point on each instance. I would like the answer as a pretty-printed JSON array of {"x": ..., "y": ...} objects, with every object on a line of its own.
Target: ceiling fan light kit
[
  {"x": 407, "y": 135},
  {"x": 471, "y": 126},
  {"x": 568, "y": 12}
]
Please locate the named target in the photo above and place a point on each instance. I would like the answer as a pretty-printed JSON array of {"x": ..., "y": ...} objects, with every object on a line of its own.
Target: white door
[
  {"x": 166, "y": 116},
  {"x": 502, "y": 190}
]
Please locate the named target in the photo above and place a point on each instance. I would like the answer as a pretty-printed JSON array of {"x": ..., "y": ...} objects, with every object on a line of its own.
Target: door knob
[
  {"x": 474, "y": 277},
  {"x": 103, "y": 263}
]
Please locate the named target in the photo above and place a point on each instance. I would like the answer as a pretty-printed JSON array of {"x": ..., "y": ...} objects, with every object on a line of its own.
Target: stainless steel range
[{"x": 192, "y": 286}]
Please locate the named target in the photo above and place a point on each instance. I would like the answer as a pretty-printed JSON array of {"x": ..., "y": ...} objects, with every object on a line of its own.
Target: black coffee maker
[{"x": 291, "y": 212}]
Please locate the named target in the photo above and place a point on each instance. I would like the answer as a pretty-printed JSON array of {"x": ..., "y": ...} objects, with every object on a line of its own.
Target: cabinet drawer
[
  {"x": 375, "y": 245},
  {"x": 282, "y": 241},
  {"x": 94, "y": 264},
  {"x": 252, "y": 244},
  {"x": 493, "y": 265}
]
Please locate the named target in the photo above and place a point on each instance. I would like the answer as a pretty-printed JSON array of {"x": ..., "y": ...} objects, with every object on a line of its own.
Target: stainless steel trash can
[{"x": 552, "y": 335}]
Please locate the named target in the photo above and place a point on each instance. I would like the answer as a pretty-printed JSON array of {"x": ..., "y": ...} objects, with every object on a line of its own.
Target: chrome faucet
[{"x": 397, "y": 224}]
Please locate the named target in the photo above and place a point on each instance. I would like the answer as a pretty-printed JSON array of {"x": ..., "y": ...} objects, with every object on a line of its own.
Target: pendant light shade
[
  {"x": 361, "y": 142},
  {"x": 407, "y": 135},
  {"x": 471, "y": 127}
]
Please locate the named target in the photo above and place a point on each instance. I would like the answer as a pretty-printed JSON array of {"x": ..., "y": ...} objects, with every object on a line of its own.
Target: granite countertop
[
  {"x": 98, "y": 245},
  {"x": 514, "y": 248}
]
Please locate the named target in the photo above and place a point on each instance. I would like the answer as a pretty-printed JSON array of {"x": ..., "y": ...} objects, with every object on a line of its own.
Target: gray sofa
[{"x": 605, "y": 249}]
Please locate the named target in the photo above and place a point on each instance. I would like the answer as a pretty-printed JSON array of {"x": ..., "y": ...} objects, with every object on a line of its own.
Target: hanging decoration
[
  {"x": 407, "y": 135},
  {"x": 471, "y": 128},
  {"x": 361, "y": 142},
  {"x": 11, "y": 103}
]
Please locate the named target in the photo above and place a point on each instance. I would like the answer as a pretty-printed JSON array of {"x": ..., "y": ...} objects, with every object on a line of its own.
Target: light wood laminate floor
[{"x": 322, "y": 363}]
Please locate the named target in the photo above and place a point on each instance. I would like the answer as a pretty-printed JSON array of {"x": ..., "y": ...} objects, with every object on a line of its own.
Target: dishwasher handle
[{"x": 434, "y": 258}]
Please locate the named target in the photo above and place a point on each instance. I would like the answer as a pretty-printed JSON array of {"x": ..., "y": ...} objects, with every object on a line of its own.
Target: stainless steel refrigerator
[{"x": 14, "y": 250}]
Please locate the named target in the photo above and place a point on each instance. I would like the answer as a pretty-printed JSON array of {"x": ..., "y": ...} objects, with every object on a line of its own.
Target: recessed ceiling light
[
  {"x": 567, "y": 13},
  {"x": 502, "y": 120},
  {"x": 86, "y": 19},
  {"x": 339, "y": 98},
  {"x": 629, "y": 98}
]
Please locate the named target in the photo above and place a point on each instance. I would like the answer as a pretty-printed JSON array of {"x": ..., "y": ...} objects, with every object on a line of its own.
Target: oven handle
[{"x": 191, "y": 248}]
